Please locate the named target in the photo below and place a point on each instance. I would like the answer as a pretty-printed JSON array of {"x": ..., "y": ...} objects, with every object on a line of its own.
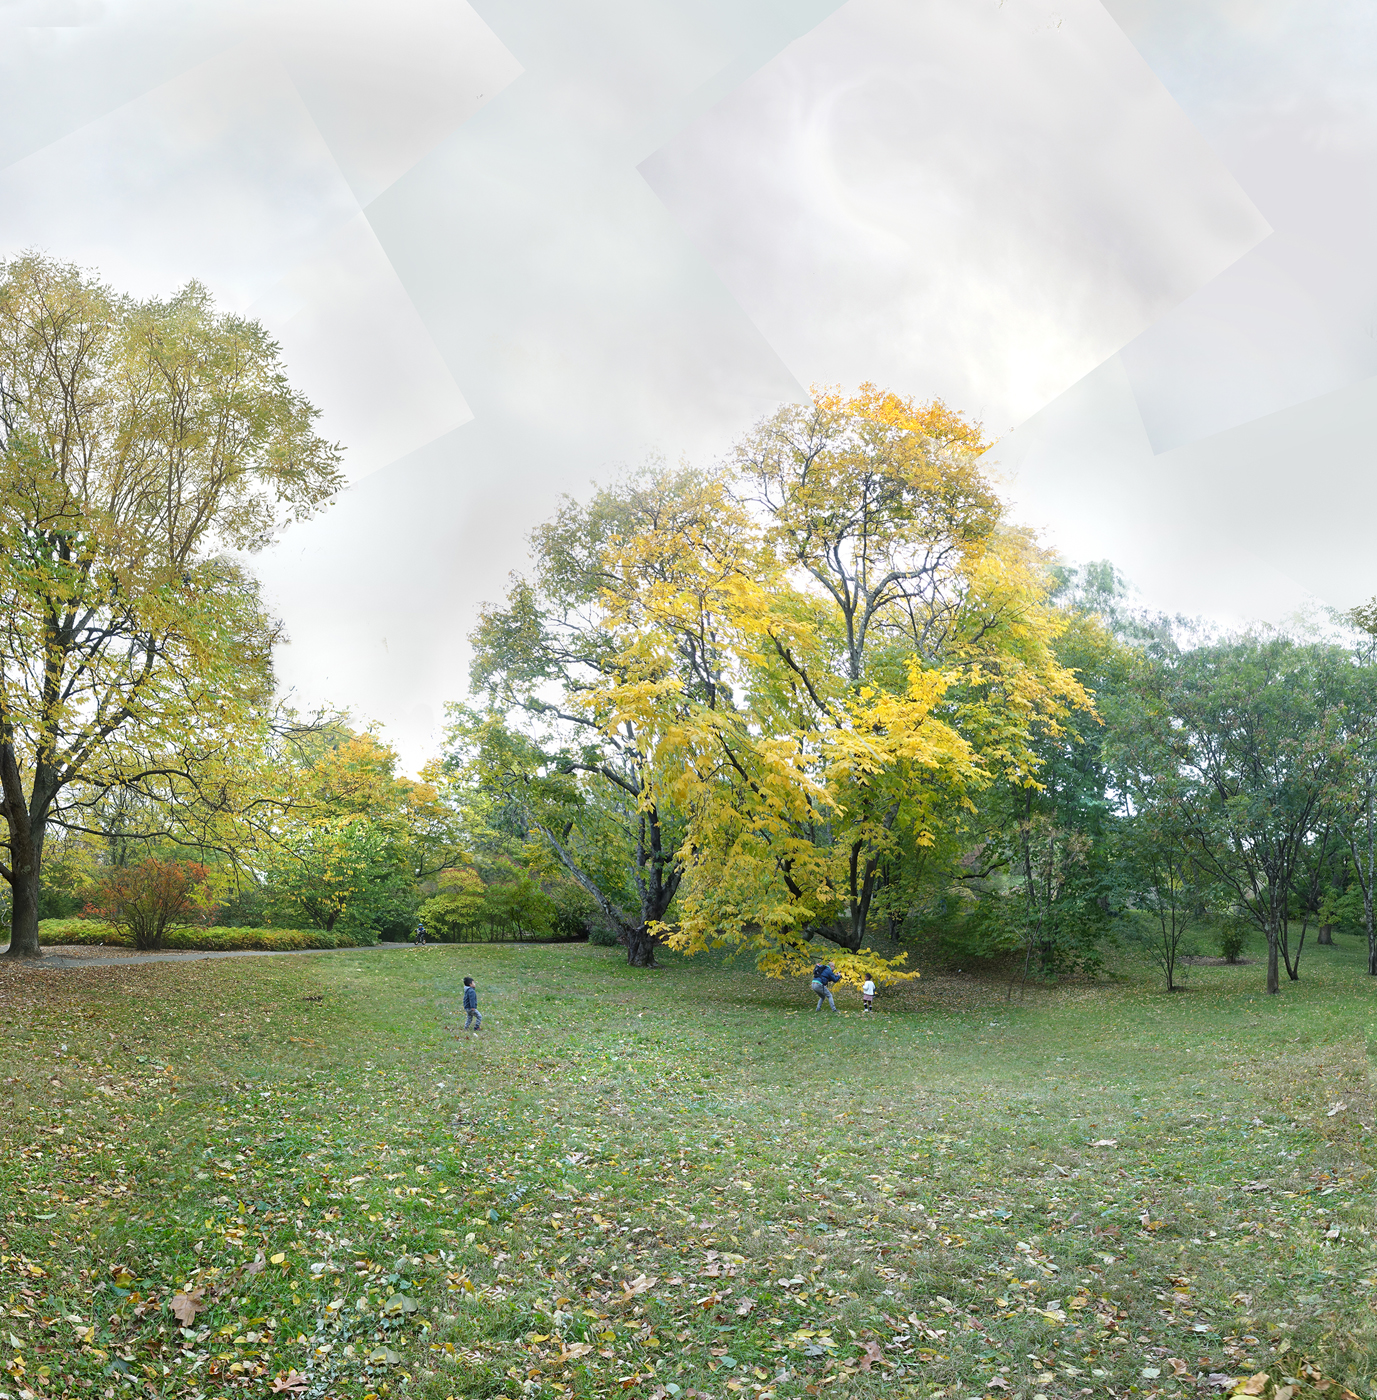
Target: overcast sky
[{"x": 511, "y": 248}]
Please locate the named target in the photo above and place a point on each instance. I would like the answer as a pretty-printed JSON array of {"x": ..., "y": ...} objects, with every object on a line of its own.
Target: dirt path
[{"x": 95, "y": 956}]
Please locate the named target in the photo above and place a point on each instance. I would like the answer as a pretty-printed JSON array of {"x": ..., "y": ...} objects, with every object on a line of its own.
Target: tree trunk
[
  {"x": 1273, "y": 970},
  {"x": 1367, "y": 890},
  {"x": 26, "y": 859},
  {"x": 1293, "y": 967},
  {"x": 24, "y": 913},
  {"x": 640, "y": 947},
  {"x": 1326, "y": 935}
]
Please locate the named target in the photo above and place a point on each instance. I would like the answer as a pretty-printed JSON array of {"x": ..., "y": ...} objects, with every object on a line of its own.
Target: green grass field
[{"x": 682, "y": 1182}]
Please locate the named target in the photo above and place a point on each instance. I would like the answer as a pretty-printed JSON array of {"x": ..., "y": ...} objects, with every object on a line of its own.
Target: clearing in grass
[{"x": 297, "y": 1175}]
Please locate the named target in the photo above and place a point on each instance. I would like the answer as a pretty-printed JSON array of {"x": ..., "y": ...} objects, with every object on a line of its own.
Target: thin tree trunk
[
  {"x": 1273, "y": 968},
  {"x": 1293, "y": 966},
  {"x": 1367, "y": 890},
  {"x": 1032, "y": 896}
]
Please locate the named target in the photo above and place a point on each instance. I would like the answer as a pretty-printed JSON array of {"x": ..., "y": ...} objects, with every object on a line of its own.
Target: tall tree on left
[{"x": 139, "y": 442}]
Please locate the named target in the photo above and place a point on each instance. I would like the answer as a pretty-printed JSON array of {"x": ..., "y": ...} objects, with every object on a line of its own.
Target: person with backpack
[{"x": 823, "y": 977}]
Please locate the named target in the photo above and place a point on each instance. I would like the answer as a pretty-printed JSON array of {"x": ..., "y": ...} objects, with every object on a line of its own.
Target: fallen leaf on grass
[
  {"x": 639, "y": 1284},
  {"x": 1335, "y": 1108},
  {"x": 1254, "y": 1385},
  {"x": 1178, "y": 1367},
  {"x": 185, "y": 1306},
  {"x": 997, "y": 1383},
  {"x": 873, "y": 1353},
  {"x": 1106, "y": 1142},
  {"x": 744, "y": 1307},
  {"x": 293, "y": 1383}
]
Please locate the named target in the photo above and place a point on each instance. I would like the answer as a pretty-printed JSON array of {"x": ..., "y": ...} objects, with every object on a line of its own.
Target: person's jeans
[
  {"x": 474, "y": 1021},
  {"x": 826, "y": 996}
]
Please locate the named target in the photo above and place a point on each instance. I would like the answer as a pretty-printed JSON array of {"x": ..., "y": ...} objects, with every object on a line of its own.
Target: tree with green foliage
[
  {"x": 1355, "y": 814},
  {"x": 1257, "y": 728},
  {"x": 341, "y": 870},
  {"x": 584, "y": 775},
  {"x": 138, "y": 441}
]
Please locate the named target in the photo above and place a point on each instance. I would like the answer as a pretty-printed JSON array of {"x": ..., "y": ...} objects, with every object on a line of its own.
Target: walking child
[
  {"x": 868, "y": 993},
  {"x": 474, "y": 1020}
]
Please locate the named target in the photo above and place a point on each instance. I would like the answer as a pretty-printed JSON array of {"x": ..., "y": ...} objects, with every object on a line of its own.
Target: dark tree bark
[
  {"x": 657, "y": 875},
  {"x": 26, "y": 819}
]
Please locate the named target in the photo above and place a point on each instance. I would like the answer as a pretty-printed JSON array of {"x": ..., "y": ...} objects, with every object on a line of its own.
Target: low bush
[
  {"x": 87, "y": 932},
  {"x": 1233, "y": 937}
]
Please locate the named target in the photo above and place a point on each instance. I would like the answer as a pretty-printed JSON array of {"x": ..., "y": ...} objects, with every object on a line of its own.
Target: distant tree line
[{"x": 823, "y": 698}]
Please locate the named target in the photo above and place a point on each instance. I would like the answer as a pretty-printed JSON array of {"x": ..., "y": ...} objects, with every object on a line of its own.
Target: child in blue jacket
[{"x": 474, "y": 1020}]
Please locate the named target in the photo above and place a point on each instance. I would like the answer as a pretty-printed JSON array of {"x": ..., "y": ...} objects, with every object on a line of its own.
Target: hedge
[{"x": 86, "y": 932}]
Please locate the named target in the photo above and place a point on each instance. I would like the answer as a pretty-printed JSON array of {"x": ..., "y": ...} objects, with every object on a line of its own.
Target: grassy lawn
[{"x": 680, "y": 1183}]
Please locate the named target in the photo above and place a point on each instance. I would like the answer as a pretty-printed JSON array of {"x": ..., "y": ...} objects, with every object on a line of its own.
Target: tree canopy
[
  {"x": 140, "y": 443},
  {"x": 769, "y": 686}
]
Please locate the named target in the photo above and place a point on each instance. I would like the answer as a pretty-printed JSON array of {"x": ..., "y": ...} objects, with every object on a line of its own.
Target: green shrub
[
  {"x": 470, "y": 909},
  {"x": 57, "y": 903},
  {"x": 1233, "y": 935},
  {"x": 393, "y": 919},
  {"x": 246, "y": 908},
  {"x": 575, "y": 915},
  {"x": 88, "y": 933},
  {"x": 600, "y": 936}
]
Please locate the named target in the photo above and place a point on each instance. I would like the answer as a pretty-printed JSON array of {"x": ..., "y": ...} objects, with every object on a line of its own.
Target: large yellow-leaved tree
[
  {"x": 791, "y": 677},
  {"x": 139, "y": 443}
]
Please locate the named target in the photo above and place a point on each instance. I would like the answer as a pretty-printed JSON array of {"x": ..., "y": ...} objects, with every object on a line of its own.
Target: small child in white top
[{"x": 868, "y": 994}]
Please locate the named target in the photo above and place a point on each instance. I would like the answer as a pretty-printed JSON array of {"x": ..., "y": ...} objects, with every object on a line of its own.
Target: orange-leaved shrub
[{"x": 145, "y": 900}]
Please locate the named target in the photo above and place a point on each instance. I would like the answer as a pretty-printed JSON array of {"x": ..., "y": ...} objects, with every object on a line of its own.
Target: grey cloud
[
  {"x": 1247, "y": 524},
  {"x": 1285, "y": 94},
  {"x": 581, "y": 324},
  {"x": 976, "y": 200},
  {"x": 221, "y": 174}
]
